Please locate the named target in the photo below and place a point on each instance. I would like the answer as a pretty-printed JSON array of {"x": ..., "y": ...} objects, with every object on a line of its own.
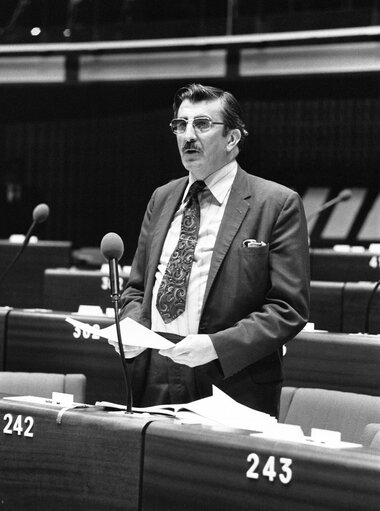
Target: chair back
[
  {"x": 43, "y": 384},
  {"x": 346, "y": 412}
]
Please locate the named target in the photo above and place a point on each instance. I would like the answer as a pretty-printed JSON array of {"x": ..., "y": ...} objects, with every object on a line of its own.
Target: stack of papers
[{"x": 218, "y": 409}]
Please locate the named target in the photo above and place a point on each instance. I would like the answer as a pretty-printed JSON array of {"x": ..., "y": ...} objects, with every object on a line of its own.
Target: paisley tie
[{"x": 171, "y": 296}]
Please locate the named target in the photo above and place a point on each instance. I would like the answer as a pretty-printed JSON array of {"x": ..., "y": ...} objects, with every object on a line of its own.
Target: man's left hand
[{"x": 193, "y": 351}]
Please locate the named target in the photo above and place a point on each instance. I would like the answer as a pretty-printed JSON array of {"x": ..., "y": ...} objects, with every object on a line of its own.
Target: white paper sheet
[
  {"x": 223, "y": 409},
  {"x": 132, "y": 333},
  {"x": 218, "y": 409}
]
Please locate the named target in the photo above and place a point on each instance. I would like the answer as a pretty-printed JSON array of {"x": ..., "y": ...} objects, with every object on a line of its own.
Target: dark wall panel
[{"x": 96, "y": 152}]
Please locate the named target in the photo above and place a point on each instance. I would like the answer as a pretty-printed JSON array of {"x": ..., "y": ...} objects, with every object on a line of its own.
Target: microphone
[
  {"x": 40, "y": 214},
  {"x": 341, "y": 197},
  {"x": 112, "y": 248}
]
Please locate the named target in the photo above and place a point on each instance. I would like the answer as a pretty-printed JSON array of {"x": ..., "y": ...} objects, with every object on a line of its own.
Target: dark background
[{"x": 96, "y": 152}]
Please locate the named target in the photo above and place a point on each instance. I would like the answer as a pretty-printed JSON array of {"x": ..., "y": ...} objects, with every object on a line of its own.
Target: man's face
[{"x": 203, "y": 153}]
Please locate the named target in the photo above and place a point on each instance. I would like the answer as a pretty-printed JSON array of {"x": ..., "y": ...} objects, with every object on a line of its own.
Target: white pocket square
[{"x": 249, "y": 243}]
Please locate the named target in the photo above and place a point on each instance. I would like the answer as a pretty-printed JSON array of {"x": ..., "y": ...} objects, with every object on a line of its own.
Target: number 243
[{"x": 269, "y": 469}]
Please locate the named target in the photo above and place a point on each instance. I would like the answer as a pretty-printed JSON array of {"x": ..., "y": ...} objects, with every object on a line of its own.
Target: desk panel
[
  {"x": 326, "y": 305},
  {"x": 27, "y": 275},
  {"x": 334, "y": 361},
  {"x": 91, "y": 461},
  {"x": 189, "y": 469},
  {"x": 67, "y": 289},
  {"x": 45, "y": 342},
  {"x": 328, "y": 264},
  {"x": 356, "y": 297},
  {"x": 3, "y": 321}
]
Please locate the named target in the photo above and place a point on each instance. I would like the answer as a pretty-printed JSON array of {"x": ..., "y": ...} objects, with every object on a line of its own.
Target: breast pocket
[
  {"x": 254, "y": 263},
  {"x": 256, "y": 251}
]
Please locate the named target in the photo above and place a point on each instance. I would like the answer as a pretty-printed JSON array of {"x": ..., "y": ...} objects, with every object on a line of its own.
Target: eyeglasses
[{"x": 201, "y": 124}]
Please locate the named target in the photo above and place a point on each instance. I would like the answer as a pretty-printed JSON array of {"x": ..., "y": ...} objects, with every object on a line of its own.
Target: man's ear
[{"x": 233, "y": 138}]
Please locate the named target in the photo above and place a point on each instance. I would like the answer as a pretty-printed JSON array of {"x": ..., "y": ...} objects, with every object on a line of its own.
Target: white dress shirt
[{"x": 212, "y": 200}]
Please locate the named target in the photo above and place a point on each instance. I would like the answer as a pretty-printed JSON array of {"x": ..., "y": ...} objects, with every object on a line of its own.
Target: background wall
[{"x": 96, "y": 152}]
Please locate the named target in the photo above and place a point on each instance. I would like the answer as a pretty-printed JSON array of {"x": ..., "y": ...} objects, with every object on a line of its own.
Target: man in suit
[{"x": 247, "y": 289}]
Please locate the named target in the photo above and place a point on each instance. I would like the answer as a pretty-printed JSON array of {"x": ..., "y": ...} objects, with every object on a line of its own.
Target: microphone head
[
  {"x": 112, "y": 246},
  {"x": 40, "y": 213},
  {"x": 345, "y": 194}
]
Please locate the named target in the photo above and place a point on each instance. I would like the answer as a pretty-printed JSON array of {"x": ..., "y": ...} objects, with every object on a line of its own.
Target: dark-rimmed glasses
[{"x": 200, "y": 124}]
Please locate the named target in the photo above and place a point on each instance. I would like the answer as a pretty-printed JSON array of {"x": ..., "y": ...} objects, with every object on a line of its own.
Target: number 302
[
  {"x": 20, "y": 425},
  {"x": 269, "y": 469}
]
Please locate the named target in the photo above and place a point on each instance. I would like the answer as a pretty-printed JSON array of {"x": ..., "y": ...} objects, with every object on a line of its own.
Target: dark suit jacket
[{"x": 256, "y": 298}]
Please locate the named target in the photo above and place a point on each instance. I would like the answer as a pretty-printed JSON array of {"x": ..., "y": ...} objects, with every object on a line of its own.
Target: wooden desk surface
[
  {"x": 44, "y": 342},
  {"x": 335, "y": 361},
  {"x": 328, "y": 264},
  {"x": 66, "y": 289},
  {"x": 27, "y": 275},
  {"x": 91, "y": 461},
  {"x": 188, "y": 470}
]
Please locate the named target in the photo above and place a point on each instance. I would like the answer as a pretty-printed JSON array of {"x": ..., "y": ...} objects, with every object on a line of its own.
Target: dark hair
[{"x": 231, "y": 112}]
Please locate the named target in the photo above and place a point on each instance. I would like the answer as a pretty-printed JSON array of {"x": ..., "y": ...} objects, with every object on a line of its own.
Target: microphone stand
[
  {"x": 325, "y": 206},
  {"x": 115, "y": 296},
  {"x": 18, "y": 254},
  {"x": 40, "y": 214}
]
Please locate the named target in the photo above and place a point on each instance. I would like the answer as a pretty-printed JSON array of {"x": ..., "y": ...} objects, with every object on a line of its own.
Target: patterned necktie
[{"x": 171, "y": 296}]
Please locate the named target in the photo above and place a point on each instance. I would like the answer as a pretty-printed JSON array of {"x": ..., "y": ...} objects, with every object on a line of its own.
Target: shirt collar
[{"x": 219, "y": 183}]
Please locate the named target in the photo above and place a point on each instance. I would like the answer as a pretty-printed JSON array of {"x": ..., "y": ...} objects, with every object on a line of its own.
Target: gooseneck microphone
[
  {"x": 112, "y": 248},
  {"x": 40, "y": 214},
  {"x": 341, "y": 197}
]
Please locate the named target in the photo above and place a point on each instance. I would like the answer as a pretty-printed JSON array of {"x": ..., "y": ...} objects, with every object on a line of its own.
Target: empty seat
[
  {"x": 43, "y": 384},
  {"x": 346, "y": 412}
]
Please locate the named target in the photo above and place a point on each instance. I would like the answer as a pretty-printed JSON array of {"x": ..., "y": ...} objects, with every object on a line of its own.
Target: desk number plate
[
  {"x": 18, "y": 425},
  {"x": 284, "y": 474}
]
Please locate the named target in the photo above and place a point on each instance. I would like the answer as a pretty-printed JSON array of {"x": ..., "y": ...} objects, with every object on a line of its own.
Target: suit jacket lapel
[{"x": 236, "y": 210}]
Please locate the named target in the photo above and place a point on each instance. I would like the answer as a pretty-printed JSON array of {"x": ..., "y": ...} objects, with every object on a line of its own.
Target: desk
[
  {"x": 91, "y": 461},
  {"x": 185, "y": 470},
  {"x": 45, "y": 342},
  {"x": 66, "y": 289},
  {"x": 334, "y": 361},
  {"x": 341, "y": 306},
  {"x": 328, "y": 264},
  {"x": 3, "y": 339},
  {"x": 356, "y": 297},
  {"x": 326, "y": 305},
  {"x": 98, "y": 461},
  {"x": 27, "y": 275}
]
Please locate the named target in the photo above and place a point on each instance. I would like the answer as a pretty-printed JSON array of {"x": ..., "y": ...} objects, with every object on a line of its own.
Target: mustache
[{"x": 190, "y": 146}]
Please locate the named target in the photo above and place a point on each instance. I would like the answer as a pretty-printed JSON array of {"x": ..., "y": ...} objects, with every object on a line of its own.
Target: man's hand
[
  {"x": 129, "y": 351},
  {"x": 193, "y": 351}
]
